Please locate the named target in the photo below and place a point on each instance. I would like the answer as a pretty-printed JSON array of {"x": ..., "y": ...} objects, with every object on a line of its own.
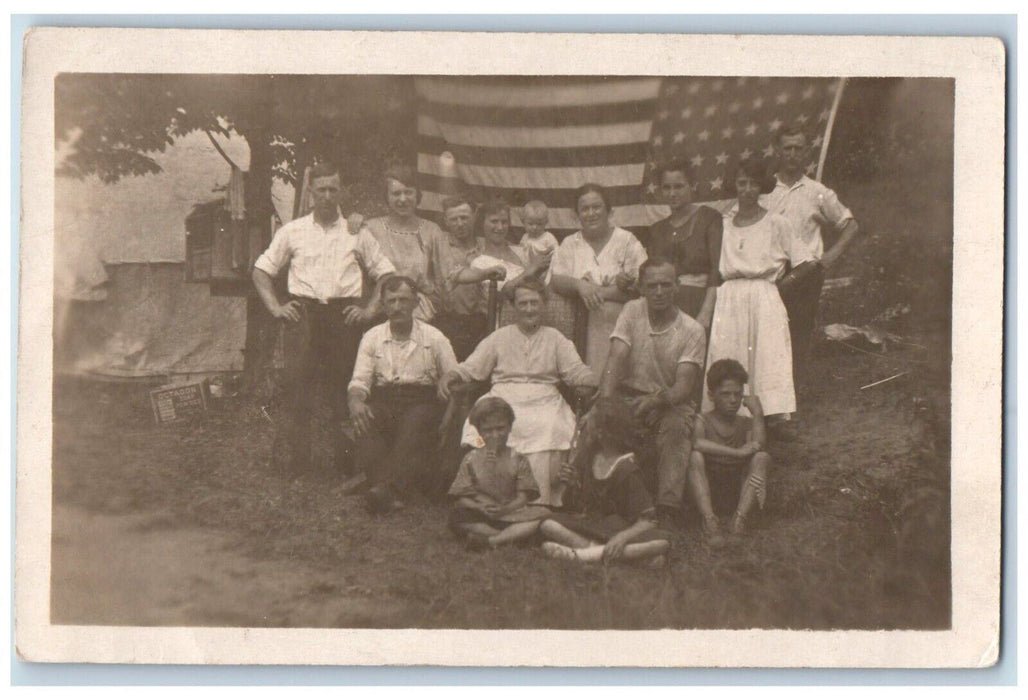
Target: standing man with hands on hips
[
  {"x": 322, "y": 315},
  {"x": 812, "y": 209}
]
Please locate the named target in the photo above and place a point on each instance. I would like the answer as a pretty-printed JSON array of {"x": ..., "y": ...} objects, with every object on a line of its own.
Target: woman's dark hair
[
  {"x": 756, "y": 168},
  {"x": 323, "y": 168},
  {"x": 533, "y": 284},
  {"x": 723, "y": 370},
  {"x": 592, "y": 187},
  {"x": 489, "y": 407},
  {"x": 655, "y": 261},
  {"x": 676, "y": 165},
  {"x": 496, "y": 205},
  {"x": 403, "y": 174},
  {"x": 394, "y": 282}
]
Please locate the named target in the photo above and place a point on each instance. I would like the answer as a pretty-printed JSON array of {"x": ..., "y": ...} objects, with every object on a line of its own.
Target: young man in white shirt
[
  {"x": 812, "y": 209},
  {"x": 322, "y": 315}
]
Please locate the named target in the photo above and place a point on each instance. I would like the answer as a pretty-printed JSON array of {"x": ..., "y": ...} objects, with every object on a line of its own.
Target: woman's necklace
[
  {"x": 402, "y": 232},
  {"x": 393, "y": 256}
]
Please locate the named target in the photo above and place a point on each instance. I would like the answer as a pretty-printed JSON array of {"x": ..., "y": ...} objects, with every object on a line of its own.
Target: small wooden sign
[{"x": 175, "y": 402}]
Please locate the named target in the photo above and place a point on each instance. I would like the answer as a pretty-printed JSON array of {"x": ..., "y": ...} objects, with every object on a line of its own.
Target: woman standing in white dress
[
  {"x": 750, "y": 322},
  {"x": 599, "y": 265}
]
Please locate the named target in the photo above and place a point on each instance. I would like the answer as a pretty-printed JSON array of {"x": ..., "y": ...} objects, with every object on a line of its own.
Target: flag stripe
[
  {"x": 619, "y": 154},
  {"x": 562, "y": 197},
  {"x": 536, "y": 93},
  {"x": 539, "y": 137},
  {"x": 536, "y": 178},
  {"x": 562, "y": 116}
]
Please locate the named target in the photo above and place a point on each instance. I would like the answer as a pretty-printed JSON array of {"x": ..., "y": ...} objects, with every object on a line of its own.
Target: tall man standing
[
  {"x": 322, "y": 315},
  {"x": 812, "y": 209}
]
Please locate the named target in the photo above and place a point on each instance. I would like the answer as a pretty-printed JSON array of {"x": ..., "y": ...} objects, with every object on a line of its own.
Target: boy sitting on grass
[
  {"x": 729, "y": 446},
  {"x": 617, "y": 520},
  {"x": 494, "y": 484}
]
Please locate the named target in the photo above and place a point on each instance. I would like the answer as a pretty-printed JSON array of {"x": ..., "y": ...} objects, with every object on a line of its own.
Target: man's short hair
[
  {"x": 791, "y": 130},
  {"x": 455, "y": 201},
  {"x": 323, "y": 168},
  {"x": 488, "y": 407},
  {"x": 723, "y": 370},
  {"x": 394, "y": 282},
  {"x": 655, "y": 261}
]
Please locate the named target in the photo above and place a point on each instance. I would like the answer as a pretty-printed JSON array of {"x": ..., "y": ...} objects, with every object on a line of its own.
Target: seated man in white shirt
[
  {"x": 393, "y": 399},
  {"x": 322, "y": 315}
]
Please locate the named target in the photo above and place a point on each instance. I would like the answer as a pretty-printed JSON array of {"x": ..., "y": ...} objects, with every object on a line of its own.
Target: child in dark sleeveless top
[{"x": 727, "y": 445}]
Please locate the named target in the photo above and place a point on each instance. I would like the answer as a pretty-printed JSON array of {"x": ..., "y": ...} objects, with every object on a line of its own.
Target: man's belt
[{"x": 334, "y": 301}]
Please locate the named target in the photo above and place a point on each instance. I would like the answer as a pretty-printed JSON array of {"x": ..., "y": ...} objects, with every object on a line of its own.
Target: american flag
[{"x": 540, "y": 137}]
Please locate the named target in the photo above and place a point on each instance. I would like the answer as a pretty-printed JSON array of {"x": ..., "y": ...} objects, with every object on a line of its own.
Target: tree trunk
[{"x": 261, "y": 328}]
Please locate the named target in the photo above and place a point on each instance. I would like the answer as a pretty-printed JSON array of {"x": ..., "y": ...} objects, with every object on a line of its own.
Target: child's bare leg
[
  {"x": 699, "y": 485},
  {"x": 555, "y": 532},
  {"x": 513, "y": 533},
  {"x": 752, "y": 485},
  {"x": 645, "y": 550},
  {"x": 479, "y": 529}
]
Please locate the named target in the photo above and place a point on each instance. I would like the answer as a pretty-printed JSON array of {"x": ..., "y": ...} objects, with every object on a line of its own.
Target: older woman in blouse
[
  {"x": 525, "y": 361},
  {"x": 599, "y": 265},
  {"x": 407, "y": 239}
]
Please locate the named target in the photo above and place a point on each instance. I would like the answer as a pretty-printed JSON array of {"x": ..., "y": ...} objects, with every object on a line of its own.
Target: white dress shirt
[
  {"x": 382, "y": 360},
  {"x": 324, "y": 263},
  {"x": 810, "y": 207}
]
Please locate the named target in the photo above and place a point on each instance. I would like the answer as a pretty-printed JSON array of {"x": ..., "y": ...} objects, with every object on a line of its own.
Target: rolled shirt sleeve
[
  {"x": 446, "y": 360},
  {"x": 832, "y": 210},
  {"x": 364, "y": 366},
  {"x": 624, "y": 325},
  {"x": 276, "y": 256},
  {"x": 370, "y": 252}
]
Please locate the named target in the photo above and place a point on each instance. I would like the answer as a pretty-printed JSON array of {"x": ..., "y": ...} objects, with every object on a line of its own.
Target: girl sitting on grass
[
  {"x": 494, "y": 484},
  {"x": 616, "y": 518}
]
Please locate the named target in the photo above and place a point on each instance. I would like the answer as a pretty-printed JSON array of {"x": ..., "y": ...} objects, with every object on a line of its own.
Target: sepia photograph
[{"x": 404, "y": 350}]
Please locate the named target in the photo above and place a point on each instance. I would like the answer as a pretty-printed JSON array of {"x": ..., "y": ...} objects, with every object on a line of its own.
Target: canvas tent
[{"x": 123, "y": 306}]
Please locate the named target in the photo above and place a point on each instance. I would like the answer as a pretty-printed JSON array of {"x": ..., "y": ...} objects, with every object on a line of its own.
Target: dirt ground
[{"x": 189, "y": 524}]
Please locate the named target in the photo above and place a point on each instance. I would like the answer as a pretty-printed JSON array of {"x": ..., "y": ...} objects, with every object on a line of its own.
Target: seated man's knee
[{"x": 674, "y": 428}]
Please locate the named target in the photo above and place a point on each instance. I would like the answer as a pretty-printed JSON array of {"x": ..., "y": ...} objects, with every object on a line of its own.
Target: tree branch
[{"x": 220, "y": 149}]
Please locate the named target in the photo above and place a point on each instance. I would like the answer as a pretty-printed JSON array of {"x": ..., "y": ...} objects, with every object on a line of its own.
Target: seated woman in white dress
[
  {"x": 750, "y": 322},
  {"x": 525, "y": 361},
  {"x": 600, "y": 266}
]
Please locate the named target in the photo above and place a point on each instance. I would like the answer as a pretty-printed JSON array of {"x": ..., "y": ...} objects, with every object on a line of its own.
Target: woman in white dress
[
  {"x": 750, "y": 322},
  {"x": 599, "y": 265},
  {"x": 525, "y": 361}
]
